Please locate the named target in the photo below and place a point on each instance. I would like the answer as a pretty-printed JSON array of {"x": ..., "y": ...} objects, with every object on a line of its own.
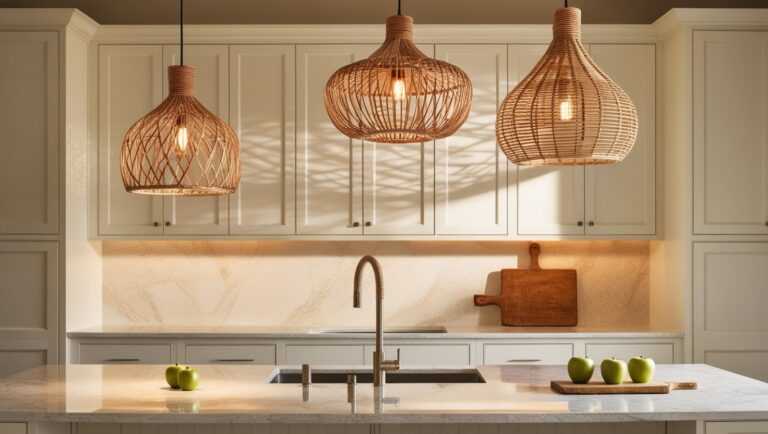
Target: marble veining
[
  {"x": 309, "y": 283},
  {"x": 241, "y": 394}
]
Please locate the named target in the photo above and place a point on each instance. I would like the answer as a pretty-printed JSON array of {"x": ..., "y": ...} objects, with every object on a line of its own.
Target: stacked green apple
[
  {"x": 184, "y": 378},
  {"x": 613, "y": 371}
]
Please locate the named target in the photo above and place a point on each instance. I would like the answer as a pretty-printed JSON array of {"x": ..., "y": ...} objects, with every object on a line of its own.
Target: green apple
[
  {"x": 580, "y": 369},
  {"x": 613, "y": 371},
  {"x": 172, "y": 376},
  {"x": 188, "y": 379},
  {"x": 641, "y": 369}
]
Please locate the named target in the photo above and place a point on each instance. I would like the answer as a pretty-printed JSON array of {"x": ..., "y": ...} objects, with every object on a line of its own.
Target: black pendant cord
[
  {"x": 398, "y": 8},
  {"x": 181, "y": 32},
  {"x": 566, "y": 3}
]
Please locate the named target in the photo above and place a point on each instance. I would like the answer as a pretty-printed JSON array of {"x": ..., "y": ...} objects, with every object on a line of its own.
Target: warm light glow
[
  {"x": 181, "y": 135},
  {"x": 566, "y": 113},
  {"x": 398, "y": 89}
]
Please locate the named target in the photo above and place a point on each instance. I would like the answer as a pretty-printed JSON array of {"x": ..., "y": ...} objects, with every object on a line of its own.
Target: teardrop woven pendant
[
  {"x": 180, "y": 148},
  {"x": 398, "y": 94},
  {"x": 566, "y": 111}
]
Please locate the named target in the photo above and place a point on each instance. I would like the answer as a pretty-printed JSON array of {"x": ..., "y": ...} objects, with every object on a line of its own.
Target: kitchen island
[{"x": 53, "y": 397}]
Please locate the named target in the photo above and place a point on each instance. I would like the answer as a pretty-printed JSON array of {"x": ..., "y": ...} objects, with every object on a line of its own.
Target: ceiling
[{"x": 372, "y": 11}]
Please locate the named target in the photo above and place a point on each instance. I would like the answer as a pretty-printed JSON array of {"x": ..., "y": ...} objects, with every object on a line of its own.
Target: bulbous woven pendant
[
  {"x": 398, "y": 94},
  {"x": 180, "y": 148},
  {"x": 566, "y": 111}
]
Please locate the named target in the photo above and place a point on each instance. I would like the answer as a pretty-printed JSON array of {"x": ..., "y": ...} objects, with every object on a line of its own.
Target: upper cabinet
[
  {"x": 262, "y": 111},
  {"x": 470, "y": 169},
  {"x": 29, "y": 120},
  {"x": 614, "y": 199},
  {"x": 730, "y": 137},
  {"x": 130, "y": 85}
]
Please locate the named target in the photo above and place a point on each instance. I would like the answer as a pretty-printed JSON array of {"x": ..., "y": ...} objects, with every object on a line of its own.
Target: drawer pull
[
  {"x": 122, "y": 360},
  {"x": 523, "y": 360},
  {"x": 233, "y": 360}
]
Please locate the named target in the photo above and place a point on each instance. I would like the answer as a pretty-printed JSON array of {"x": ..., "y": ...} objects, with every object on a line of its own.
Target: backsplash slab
[{"x": 309, "y": 283}]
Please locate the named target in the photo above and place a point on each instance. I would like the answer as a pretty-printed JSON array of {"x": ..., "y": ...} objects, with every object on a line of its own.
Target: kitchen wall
[{"x": 310, "y": 283}]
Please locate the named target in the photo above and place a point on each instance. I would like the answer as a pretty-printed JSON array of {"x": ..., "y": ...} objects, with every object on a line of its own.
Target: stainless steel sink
[
  {"x": 394, "y": 330},
  {"x": 336, "y": 376}
]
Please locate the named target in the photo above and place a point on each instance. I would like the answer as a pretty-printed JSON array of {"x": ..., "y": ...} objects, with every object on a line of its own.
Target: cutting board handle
[
  {"x": 534, "y": 249},
  {"x": 486, "y": 300}
]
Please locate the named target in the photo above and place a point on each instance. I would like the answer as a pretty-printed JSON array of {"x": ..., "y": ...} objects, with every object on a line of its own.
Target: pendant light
[
  {"x": 398, "y": 94},
  {"x": 566, "y": 111},
  {"x": 180, "y": 148}
]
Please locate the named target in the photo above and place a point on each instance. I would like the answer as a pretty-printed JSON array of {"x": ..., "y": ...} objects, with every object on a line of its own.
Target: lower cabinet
[
  {"x": 425, "y": 355},
  {"x": 527, "y": 354},
  {"x": 145, "y": 354},
  {"x": 661, "y": 353},
  {"x": 13, "y": 428},
  {"x": 230, "y": 354},
  {"x": 760, "y": 427},
  {"x": 324, "y": 354}
]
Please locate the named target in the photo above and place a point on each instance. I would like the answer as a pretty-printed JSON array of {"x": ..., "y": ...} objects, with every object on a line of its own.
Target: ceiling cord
[
  {"x": 181, "y": 32},
  {"x": 398, "y": 8}
]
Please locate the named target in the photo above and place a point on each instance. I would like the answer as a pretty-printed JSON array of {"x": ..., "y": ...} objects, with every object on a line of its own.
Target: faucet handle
[{"x": 391, "y": 365}]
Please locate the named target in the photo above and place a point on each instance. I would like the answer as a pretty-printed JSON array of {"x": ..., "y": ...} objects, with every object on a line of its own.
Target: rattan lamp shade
[
  {"x": 566, "y": 111},
  {"x": 398, "y": 94},
  {"x": 180, "y": 148}
]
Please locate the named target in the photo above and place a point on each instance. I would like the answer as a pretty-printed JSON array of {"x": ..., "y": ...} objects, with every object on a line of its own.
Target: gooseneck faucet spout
[{"x": 380, "y": 364}]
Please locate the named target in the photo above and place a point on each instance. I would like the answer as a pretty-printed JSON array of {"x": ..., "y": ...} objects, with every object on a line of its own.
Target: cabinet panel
[
  {"x": 29, "y": 120},
  {"x": 324, "y": 354},
  {"x": 470, "y": 169},
  {"x": 263, "y": 110},
  {"x": 130, "y": 85},
  {"x": 13, "y": 428},
  {"x": 760, "y": 427},
  {"x": 15, "y": 361},
  {"x": 620, "y": 198},
  {"x": 203, "y": 214},
  {"x": 730, "y": 136},
  {"x": 527, "y": 354},
  {"x": 660, "y": 353},
  {"x": 230, "y": 354},
  {"x": 752, "y": 364},
  {"x": 146, "y": 354},
  {"x": 550, "y": 200},
  {"x": 329, "y": 164},
  {"x": 424, "y": 355}
]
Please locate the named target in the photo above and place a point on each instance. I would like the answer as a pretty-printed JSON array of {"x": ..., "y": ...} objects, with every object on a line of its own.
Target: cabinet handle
[
  {"x": 766, "y": 223},
  {"x": 167, "y": 223},
  {"x": 579, "y": 223},
  {"x": 122, "y": 360},
  {"x": 233, "y": 360},
  {"x": 356, "y": 224},
  {"x": 368, "y": 224},
  {"x": 523, "y": 360},
  {"x": 155, "y": 223},
  {"x": 591, "y": 223}
]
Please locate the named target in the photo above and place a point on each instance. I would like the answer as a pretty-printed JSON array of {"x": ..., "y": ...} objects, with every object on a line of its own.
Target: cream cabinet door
[
  {"x": 130, "y": 85},
  {"x": 29, "y": 120},
  {"x": 550, "y": 200},
  {"x": 730, "y": 328},
  {"x": 329, "y": 164},
  {"x": 620, "y": 198},
  {"x": 203, "y": 214},
  {"x": 730, "y": 137},
  {"x": 262, "y": 100},
  {"x": 759, "y": 427},
  {"x": 29, "y": 312},
  {"x": 470, "y": 169},
  {"x": 398, "y": 185}
]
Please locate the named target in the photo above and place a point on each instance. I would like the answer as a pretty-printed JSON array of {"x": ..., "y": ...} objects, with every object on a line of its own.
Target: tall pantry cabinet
[
  {"x": 43, "y": 65},
  {"x": 715, "y": 100}
]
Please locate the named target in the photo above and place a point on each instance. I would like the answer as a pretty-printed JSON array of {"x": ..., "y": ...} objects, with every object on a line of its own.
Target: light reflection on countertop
[{"x": 240, "y": 394}]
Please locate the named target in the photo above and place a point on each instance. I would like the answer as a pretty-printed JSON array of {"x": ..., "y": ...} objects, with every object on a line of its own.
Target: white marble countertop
[
  {"x": 241, "y": 394},
  {"x": 305, "y": 332}
]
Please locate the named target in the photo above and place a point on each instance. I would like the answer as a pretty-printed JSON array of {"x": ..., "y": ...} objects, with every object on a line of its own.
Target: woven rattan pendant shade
[
  {"x": 398, "y": 94},
  {"x": 566, "y": 111},
  {"x": 201, "y": 159}
]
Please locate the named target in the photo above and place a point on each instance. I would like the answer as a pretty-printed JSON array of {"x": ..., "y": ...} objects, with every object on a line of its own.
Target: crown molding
[
  {"x": 80, "y": 24},
  {"x": 711, "y": 19},
  {"x": 362, "y": 34}
]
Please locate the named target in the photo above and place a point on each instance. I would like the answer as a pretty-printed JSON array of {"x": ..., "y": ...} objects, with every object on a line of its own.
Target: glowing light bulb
[
  {"x": 398, "y": 89},
  {"x": 182, "y": 139},
  {"x": 566, "y": 112}
]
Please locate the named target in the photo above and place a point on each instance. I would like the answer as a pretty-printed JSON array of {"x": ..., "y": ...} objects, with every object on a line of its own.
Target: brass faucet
[{"x": 380, "y": 364}]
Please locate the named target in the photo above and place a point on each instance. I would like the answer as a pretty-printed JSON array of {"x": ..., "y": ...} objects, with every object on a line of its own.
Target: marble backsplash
[{"x": 273, "y": 283}]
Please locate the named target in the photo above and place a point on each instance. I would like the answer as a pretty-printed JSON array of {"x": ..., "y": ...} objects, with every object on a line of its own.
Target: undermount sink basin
[
  {"x": 401, "y": 330},
  {"x": 329, "y": 376}
]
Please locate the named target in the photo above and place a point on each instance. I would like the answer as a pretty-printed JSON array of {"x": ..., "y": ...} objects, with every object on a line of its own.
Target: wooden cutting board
[
  {"x": 535, "y": 297},
  {"x": 600, "y": 388}
]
